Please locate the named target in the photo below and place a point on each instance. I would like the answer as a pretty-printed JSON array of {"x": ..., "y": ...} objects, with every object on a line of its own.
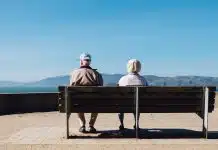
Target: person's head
[
  {"x": 133, "y": 66},
  {"x": 85, "y": 59}
]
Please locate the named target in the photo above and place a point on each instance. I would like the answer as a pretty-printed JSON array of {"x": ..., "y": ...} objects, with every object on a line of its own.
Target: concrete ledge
[{"x": 28, "y": 102}]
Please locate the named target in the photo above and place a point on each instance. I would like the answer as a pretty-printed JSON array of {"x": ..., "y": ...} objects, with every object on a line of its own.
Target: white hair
[{"x": 133, "y": 66}]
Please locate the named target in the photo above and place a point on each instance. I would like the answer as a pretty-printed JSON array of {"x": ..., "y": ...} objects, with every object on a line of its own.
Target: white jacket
[{"x": 132, "y": 79}]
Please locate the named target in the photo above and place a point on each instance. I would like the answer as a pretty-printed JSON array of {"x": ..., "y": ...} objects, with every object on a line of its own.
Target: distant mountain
[
  {"x": 51, "y": 81},
  {"x": 112, "y": 79},
  {"x": 183, "y": 81},
  {"x": 64, "y": 80}
]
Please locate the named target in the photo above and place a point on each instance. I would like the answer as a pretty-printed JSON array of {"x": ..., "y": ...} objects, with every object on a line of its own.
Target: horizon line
[{"x": 171, "y": 76}]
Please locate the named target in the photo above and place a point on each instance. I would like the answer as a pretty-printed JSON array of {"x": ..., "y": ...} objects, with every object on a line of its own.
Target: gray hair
[{"x": 133, "y": 66}]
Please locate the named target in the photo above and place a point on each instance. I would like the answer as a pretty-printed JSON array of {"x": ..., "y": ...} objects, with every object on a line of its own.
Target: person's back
[
  {"x": 86, "y": 76},
  {"x": 131, "y": 79}
]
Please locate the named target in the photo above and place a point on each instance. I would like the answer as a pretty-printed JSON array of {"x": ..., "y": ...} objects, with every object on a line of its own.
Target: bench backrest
[
  {"x": 99, "y": 99},
  {"x": 174, "y": 99},
  {"x": 123, "y": 99}
]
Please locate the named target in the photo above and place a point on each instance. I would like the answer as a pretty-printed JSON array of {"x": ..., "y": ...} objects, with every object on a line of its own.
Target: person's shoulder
[
  {"x": 123, "y": 80},
  {"x": 76, "y": 70},
  {"x": 96, "y": 72},
  {"x": 94, "y": 69},
  {"x": 142, "y": 77},
  {"x": 124, "y": 77}
]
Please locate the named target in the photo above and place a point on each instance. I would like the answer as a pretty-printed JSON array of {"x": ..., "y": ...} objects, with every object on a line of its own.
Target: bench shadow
[
  {"x": 24, "y": 112},
  {"x": 154, "y": 133}
]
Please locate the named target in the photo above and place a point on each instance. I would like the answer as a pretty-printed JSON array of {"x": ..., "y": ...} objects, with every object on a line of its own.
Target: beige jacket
[{"x": 86, "y": 76}]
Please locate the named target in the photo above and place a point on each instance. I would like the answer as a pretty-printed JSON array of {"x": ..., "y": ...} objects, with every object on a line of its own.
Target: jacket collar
[
  {"x": 133, "y": 73},
  {"x": 87, "y": 67}
]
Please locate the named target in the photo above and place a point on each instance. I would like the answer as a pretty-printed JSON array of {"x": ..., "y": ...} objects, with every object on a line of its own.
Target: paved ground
[{"x": 159, "y": 131}]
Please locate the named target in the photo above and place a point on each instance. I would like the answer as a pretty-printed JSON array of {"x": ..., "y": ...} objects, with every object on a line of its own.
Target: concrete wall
[
  {"x": 33, "y": 102},
  {"x": 28, "y": 102}
]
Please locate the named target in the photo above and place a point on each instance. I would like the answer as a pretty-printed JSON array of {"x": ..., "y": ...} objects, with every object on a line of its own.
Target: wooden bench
[{"x": 199, "y": 100}]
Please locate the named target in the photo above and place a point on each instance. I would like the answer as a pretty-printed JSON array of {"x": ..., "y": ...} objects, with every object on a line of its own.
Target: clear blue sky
[{"x": 43, "y": 38}]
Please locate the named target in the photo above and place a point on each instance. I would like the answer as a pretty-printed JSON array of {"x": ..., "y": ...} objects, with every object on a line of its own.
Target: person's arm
[
  {"x": 121, "y": 82},
  {"x": 118, "y": 84},
  {"x": 145, "y": 82},
  {"x": 72, "y": 79},
  {"x": 99, "y": 78},
  {"x": 101, "y": 81}
]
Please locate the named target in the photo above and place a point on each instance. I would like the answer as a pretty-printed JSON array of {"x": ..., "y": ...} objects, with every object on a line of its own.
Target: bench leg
[
  {"x": 67, "y": 125},
  {"x": 67, "y": 110},
  {"x": 137, "y": 112},
  {"x": 205, "y": 130},
  {"x": 137, "y": 126},
  {"x": 205, "y": 117}
]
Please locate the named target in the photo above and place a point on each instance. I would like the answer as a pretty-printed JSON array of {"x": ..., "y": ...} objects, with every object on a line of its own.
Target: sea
[{"x": 15, "y": 90}]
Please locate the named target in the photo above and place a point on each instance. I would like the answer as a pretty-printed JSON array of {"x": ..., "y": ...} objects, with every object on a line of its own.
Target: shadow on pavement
[{"x": 155, "y": 133}]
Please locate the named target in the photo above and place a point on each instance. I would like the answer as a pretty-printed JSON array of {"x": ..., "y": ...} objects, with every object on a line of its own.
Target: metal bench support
[
  {"x": 205, "y": 117},
  {"x": 137, "y": 111},
  {"x": 67, "y": 112}
]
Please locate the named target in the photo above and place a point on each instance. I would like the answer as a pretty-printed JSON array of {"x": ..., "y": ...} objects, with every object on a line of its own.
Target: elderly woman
[{"x": 132, "y": 78}]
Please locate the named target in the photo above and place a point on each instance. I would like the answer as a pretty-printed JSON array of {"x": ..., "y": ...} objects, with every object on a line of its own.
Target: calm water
[{"x": 27, "y": 89}]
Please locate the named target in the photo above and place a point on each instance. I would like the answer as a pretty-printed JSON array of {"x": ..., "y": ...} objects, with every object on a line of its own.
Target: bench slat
[
  {"x": 98, "y": 89},
  {"x": 156, "y": 109},
  {"x": 174, "y": 89},
  {"x": 141, "y": 102}
]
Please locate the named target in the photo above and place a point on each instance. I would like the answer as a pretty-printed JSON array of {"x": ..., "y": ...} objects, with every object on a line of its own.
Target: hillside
[{"x": 112, "y": 79}]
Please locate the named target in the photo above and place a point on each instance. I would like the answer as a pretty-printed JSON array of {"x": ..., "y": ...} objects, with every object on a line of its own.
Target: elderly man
[
  {"x": 131, "y": 79},
  {"x": 86, "y": 76}
]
